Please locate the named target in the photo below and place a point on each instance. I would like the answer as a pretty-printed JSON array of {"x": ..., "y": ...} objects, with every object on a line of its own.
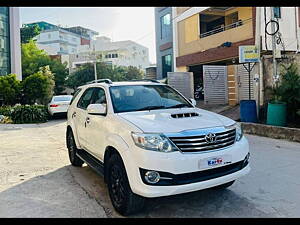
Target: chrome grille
[{"x": 199, "y": 143}]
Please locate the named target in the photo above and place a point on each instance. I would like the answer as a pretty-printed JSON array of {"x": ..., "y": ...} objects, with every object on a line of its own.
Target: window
[
  {"x": 165, "y": 25},
  {"x": 99, "y": 96},
  {"x": 85, "y": 99},
  {"x": 4, "y": 42},
  {"x": 166, "y": 65},
  {"x": 277, "y": 12},
  {"x": 75, "y": 95}
]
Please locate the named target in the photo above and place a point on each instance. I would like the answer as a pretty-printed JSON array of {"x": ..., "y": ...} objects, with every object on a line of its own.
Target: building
[
  {"x": 119, "y": 53},
  {"x": 56, "y": 40},
  {"x": 207, "y": 39},
  {"x": 10, "y": 47},
  {"x": 164, "y": 41}
]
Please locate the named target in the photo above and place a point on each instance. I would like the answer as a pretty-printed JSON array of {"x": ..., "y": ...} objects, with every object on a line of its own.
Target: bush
[
  {"x": 5, "y": 110},
  {"x": 38, "y": 87},
  {"x": 10, "y": 89},
  {"x": 29, "y": 114}
]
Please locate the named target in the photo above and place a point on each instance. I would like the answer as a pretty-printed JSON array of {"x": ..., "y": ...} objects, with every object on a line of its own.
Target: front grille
[{"x": 199, "y": 143}]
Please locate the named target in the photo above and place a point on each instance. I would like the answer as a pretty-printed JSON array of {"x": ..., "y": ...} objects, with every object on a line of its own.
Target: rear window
[{"x": 62, "y": 98}]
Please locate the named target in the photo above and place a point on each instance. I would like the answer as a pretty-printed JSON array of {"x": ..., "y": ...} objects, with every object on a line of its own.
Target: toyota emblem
[{"x": 210, "y": 138}]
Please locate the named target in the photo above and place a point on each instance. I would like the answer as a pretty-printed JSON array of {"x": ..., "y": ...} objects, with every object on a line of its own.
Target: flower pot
[
  {"x": 248, "y": 111},
  {"x": 276, "y": 114}
]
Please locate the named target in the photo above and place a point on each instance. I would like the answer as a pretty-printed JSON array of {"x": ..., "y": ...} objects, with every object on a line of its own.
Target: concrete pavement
[{"x": 37, "y": 180}]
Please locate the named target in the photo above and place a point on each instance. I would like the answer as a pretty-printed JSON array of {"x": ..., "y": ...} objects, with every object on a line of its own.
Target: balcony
[{"x": 225, "y": 28}]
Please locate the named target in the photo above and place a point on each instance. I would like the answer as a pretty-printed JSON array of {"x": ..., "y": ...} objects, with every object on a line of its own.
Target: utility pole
[
  {"x": 95, "y": 63},
  {"x": 275, "y": 76}
]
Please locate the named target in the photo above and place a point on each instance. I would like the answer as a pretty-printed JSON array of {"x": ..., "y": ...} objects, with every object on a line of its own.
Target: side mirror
[
  {"x": 96, "y": 109},
  {"x": 193, "y": 101}
]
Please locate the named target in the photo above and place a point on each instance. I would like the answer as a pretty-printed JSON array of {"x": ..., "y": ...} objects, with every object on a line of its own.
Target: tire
[
  {"x": 224, "y": 186},
  {"x": 123, "y": 199},
  {"x": 72, "y": 149}
]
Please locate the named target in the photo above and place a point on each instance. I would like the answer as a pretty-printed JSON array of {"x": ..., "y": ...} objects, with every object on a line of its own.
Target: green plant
[
  {"x": 38, "y": 87},
  {"x": 10, "y": 89},
  {"x": 29, "y": 114},
  {"x": 29, "y": 32},
  {"x": 5, "y": 110}
]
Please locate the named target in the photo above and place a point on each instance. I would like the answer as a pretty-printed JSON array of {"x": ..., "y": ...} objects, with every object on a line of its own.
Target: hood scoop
[{"x": 184, "y": 115}]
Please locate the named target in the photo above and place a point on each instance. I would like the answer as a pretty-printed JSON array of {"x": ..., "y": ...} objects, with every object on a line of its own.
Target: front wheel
[{"x": 123, "y": 199}]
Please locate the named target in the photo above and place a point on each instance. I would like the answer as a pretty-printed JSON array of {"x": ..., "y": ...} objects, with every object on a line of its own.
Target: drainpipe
[
  {"x": 296, "y": 29},
  {"x": 174, "y": 38}
]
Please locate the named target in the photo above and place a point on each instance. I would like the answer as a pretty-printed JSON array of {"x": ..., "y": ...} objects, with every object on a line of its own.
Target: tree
[
  {"x": 33, "y": 58},
  {"x": 29, "y": 32},
  {"x": 10, "y": 89},
  {"x": 39, "y": 86},
  {"x": 85, "y": 74}
]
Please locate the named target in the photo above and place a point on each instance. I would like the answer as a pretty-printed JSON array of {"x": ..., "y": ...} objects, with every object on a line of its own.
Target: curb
[{"x": 291, "y": 134}]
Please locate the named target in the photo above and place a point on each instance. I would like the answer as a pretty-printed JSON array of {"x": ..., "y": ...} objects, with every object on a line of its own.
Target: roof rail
[
  {"x": 107, "y": 81},
  {"x": 150, "y": 80}
]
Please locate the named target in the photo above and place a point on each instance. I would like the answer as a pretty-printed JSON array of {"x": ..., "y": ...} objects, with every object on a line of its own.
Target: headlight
[
  {"x": 154, "y": 142},
  {"x": 239, "y": 130}
]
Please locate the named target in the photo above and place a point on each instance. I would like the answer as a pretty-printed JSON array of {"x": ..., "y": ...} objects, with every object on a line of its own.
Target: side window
[
  {"x": 75, "y": 94},
  {"x": 99, "y": 96},
  {"x": 85, "y": 99}
]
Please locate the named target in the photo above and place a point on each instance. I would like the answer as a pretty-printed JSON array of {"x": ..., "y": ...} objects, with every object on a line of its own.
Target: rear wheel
[
  {"x": 72, "y": 149},
  {"x": 123, "y": 199}
]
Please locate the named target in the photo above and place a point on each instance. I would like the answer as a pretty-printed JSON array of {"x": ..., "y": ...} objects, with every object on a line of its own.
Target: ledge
[{"x": 291, "y": 134}]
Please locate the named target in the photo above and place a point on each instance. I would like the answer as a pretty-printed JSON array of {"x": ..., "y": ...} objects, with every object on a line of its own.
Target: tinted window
[
  {"x": 99, "y": 96},
  {"x": 143, "y": 97},
  {"x": 85, "y": 99},
  {"x": 75, "y": 94}
]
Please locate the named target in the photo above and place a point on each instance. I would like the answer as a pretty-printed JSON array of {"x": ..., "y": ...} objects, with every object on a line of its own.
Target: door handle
[{"x": 73, "y": 114}]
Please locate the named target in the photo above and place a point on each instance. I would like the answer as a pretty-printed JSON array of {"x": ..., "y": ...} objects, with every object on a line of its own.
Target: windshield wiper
[
  {"x": 151, "y": 108},
  {"x": 178, "y": 106}
]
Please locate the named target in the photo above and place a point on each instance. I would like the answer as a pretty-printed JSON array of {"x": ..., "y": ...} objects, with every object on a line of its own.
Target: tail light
[{"x": 54, "y": 105}]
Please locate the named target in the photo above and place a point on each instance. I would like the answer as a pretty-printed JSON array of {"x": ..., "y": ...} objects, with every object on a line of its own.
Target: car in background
[{"x": 59, "y": 104}]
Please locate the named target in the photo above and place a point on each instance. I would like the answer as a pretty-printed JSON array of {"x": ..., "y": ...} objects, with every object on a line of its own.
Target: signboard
[{"x": 248, "y": 54}]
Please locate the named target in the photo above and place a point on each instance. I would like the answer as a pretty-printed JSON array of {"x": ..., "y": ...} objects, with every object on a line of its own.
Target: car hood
[{"x": 161, "y": 121}]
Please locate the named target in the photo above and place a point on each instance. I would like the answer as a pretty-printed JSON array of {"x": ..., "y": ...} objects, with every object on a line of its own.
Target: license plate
[{"x": 215, "y": 161}]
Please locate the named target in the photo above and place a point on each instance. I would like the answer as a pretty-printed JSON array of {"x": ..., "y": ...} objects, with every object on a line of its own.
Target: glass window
[
  {"x": 99, "y": 96},
  {"x": 62, "y": 98},
  {"x": 4, "y": 41},
  {"x": 166, "y": 65},
  {"x": 277, "y": 12},
  {"x": 75, "y": 95},
  {"x": 165, "y": 23},
  {"x": 85, "y": 99},
  {"x": 145, "y": 97}
]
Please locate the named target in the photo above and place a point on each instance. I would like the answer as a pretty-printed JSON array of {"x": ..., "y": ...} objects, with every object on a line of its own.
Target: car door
[
  {"x": 96, "y": 127},
  {"x": 80, "y": 114}
]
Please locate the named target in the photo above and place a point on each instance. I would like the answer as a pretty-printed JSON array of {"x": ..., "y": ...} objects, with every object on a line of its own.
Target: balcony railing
[{"x": 224, "y": 28}]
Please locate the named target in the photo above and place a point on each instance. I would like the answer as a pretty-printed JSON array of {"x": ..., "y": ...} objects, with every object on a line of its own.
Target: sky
[{"x": 118, "y": 23}]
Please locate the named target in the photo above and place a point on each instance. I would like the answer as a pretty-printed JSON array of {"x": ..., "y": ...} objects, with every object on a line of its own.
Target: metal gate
[
  {"x": 243, "y": 83},
  {"x": 215, "y": 84}
]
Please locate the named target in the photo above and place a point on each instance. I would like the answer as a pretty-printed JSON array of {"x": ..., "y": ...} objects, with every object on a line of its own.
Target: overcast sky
[{"x": 119, "y": 23}]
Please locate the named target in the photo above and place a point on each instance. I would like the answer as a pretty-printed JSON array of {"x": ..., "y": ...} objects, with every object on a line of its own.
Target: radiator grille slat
[{"x": 199, "y": 143}]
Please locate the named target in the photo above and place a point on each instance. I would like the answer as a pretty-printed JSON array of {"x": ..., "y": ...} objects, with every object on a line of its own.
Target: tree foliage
[
  {"x": 85, "y": 73},
  {"x": 33, "y": 58},
  {"x": 38, "y": 87},
  {"x": 29, "y": 32},
  {"x": 10, "y": 89}
]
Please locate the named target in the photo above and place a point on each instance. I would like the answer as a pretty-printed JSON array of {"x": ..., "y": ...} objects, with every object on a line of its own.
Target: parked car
[
  {"x": 59, "y": 104},
  {"x": 148, "y": 140}
]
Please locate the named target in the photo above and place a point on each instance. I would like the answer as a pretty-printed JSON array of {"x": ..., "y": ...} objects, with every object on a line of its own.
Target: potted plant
[{"x": 285, "y": 97}]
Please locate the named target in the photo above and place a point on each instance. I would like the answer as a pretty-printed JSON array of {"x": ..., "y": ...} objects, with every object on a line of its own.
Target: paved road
[{"x": 36, "y": 180}]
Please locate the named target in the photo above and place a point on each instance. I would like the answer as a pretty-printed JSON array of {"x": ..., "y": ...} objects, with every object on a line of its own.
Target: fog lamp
[{"x": 152, "y": 177}]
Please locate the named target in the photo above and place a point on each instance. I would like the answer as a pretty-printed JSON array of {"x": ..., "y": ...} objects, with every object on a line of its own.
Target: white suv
[{"x": 148, "y": 141}]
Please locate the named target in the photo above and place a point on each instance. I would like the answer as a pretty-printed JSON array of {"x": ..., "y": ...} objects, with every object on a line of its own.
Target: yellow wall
[
  {"x": 190, "y": 42},
  {"x": 181, "y": 69},
  {"x": 180, "y": 10}
]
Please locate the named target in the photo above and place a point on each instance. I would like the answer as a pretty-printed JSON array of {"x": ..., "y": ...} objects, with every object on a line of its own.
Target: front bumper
[{"x": 182, "y": 167}]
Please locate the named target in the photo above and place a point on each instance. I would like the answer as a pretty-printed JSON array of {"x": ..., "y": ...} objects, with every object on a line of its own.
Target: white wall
[{"x": 288, "y": 27}]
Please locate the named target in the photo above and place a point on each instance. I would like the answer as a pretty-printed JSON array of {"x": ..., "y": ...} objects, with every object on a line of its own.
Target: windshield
[
  {"x": 62, "y": 98},
  {"x": 145, "y": 97}
]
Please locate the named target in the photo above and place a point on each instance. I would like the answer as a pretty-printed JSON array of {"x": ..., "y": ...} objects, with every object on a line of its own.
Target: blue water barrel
[{"x": 248, "y": 111}]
